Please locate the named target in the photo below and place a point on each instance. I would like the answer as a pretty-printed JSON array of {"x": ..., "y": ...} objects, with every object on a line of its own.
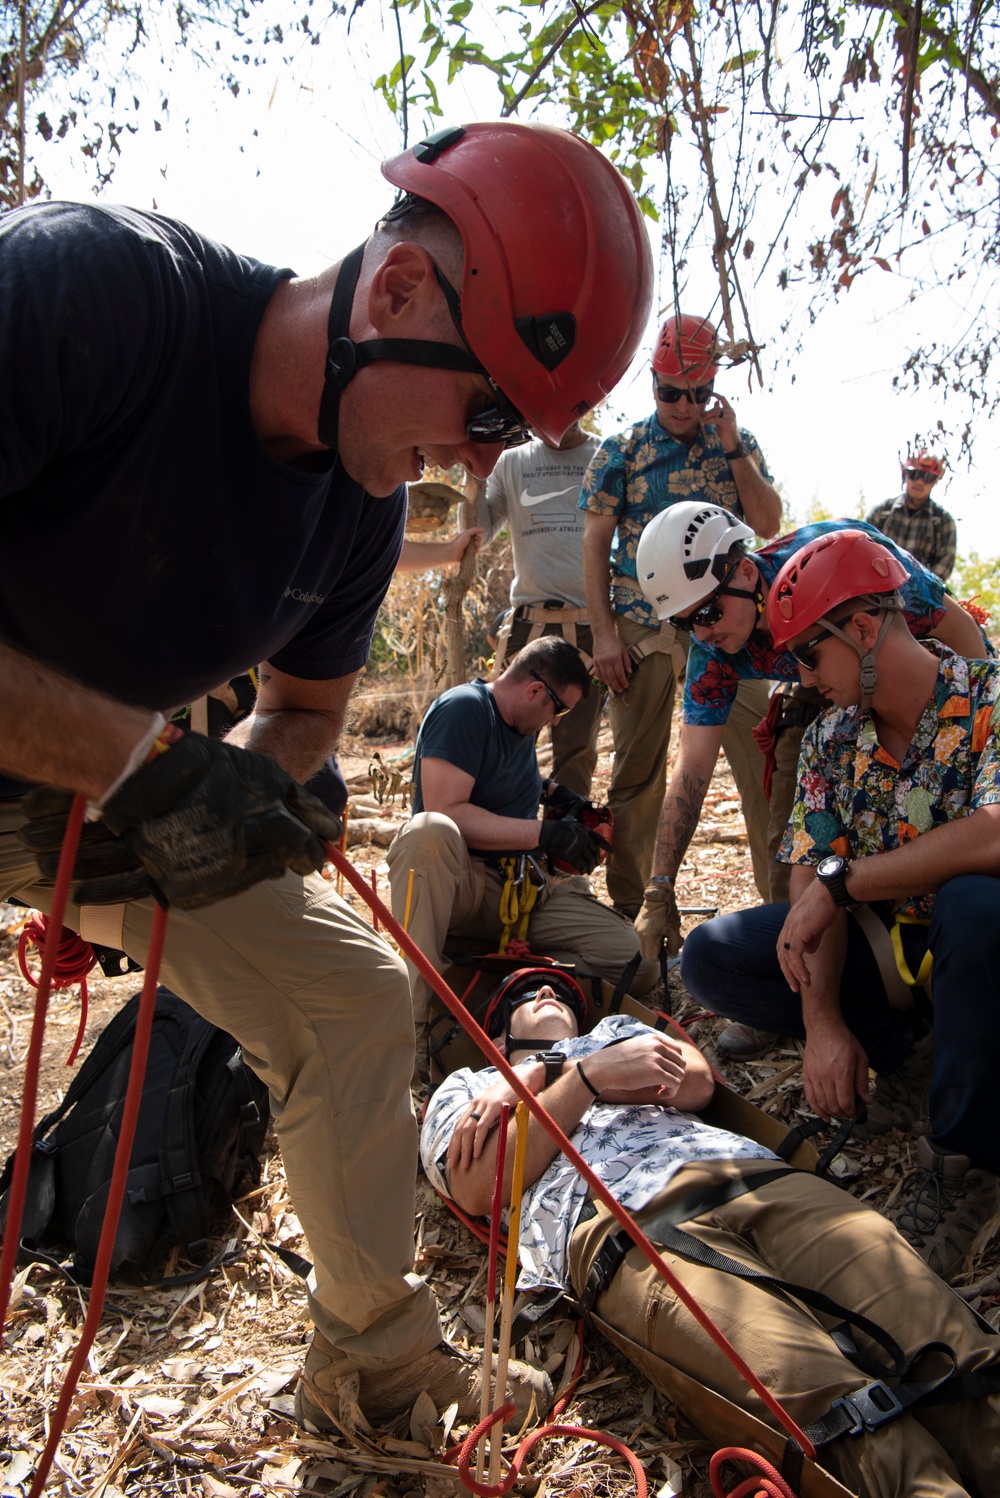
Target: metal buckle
[{"x": 869, "y": 1408}]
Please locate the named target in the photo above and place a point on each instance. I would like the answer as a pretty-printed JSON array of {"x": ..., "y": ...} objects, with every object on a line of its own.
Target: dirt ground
[{"x": 188, "y": 1389}]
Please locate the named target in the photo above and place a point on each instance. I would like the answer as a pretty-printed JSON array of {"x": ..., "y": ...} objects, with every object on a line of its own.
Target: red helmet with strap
[
  {"x": 687, "y": 349},
  {"x": 827, "y": 571},
  {"x": 557, "y": 277},
  {"x": 927, "y": 462},
  {"x": 522, "y": 986}
]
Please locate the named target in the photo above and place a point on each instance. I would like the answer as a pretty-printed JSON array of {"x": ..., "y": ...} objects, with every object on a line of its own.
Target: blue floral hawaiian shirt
[
  {"x": 635, "y": 1149},
  {"x": 639, "y": 472},
  {"x": 713, "y": 676},
  {"x": 855, "y": 800}
]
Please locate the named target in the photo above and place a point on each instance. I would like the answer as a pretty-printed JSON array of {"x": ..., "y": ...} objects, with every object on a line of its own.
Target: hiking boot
[
  {"x": 740, "y": 1042},
  {"x": 948, "y": 1205},
  {"x": 901, "y": 1095},
  {"x": 447, "y": 1375}
]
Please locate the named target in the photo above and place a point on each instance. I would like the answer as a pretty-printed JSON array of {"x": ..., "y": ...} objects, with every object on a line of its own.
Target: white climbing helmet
[{"x": 683, "y": 553}]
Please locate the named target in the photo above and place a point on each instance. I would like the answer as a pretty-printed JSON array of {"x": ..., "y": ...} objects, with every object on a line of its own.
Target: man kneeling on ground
[
  {"x": 477, "y": 793},
  {"x": 627, "y": 1096},
  {"x": 894, "y": 847}
]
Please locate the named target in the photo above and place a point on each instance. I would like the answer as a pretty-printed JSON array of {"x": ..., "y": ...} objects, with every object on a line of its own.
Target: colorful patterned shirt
[
  {"x": 635, "y": 1149},
  {"x": 855, "y": 800},
  {"x": 713, "y": 677},
  {"x": 639, "y": 472},
  {"x": 928, "y": 533}
]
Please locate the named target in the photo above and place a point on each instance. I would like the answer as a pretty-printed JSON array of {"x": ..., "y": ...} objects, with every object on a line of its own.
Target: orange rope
[
  {"x": 770, "y": 1484},
  {"x": 74, "y": 960}
]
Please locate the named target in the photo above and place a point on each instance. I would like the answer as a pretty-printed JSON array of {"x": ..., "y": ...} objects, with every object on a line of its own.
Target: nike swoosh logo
[{"x": 528, "y": 500}]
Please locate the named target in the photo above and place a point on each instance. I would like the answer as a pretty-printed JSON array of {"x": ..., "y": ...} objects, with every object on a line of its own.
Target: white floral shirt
[{"x": 634, "y": 1149}]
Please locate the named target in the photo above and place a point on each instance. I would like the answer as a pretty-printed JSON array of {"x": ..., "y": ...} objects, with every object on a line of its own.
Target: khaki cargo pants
[{"x": 811, "y": 1233}]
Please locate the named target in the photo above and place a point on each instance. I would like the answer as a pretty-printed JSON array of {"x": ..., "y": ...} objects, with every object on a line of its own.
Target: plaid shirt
[
  {"x": 927, "y": 533},
  {"x": 639, "y": 472},
  {"x": 855, "y": 800}
]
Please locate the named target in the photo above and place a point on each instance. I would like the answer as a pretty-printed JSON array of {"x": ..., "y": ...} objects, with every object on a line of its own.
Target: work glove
[
  {"x": 559, "y": 798},
  {"x": 200, "y": 823},
  {"x": 568, "y": 842},
  {"x": 658, "y": 921}
]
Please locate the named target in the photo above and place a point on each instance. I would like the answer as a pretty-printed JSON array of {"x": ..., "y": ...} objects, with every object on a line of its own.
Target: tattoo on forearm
[{"x": 681, "y": 811}]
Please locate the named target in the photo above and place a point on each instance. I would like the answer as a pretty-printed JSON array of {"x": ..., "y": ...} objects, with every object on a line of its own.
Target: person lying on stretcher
[{"x": 628, "y": 1098}]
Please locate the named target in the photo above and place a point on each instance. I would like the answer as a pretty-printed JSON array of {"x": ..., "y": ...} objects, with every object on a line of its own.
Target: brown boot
[
  {"x": 447, "y": 1375},
  {"x": 948, "y": 1205}
]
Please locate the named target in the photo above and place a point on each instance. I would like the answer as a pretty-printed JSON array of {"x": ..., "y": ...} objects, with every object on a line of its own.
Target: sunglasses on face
[
  {"x": 557, "y": 702},
  {"x": 919, "y": 476},
  {"x": 501, "y": 422},
  {"x": 709, "y": 612},
  {"x": 805, "y": 653},
  {"x": 697, "y": 394}
]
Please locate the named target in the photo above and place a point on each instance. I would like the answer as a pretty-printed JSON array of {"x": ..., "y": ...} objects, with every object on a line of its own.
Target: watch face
[{"x": 830, "y": 866}]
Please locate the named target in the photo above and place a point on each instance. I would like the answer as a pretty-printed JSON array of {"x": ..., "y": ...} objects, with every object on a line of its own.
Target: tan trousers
[
  {"x": 814, "y": 1234},
  {"x": 321, "y": 1008},
  {"x": 457, "y": 896},
  {"x": 641, "y": 722}
]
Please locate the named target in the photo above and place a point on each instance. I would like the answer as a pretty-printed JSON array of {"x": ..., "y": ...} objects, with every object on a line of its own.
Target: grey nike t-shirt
[{"x": 533, "y": 491}]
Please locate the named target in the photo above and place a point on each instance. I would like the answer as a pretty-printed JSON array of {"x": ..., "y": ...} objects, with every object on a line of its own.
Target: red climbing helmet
[
  {"x": 524, "y": 985},
  {"x": 687, "y": 349},
  {"x": 928, "y": 463},
  {"x": 844, "y": 563},
  {"x": 558, "y": 274}
]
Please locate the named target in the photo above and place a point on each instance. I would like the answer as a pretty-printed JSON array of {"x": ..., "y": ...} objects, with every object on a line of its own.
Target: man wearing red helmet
[
  {"x": 689, "y": 448},
  {"x": 209, "y": 454},
  {"x": 895, "y": 824},
  {"x": 917, "y": 522}
]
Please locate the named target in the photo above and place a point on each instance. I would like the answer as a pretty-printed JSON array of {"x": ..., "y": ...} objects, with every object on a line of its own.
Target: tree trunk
[{"x": 455, "y": 588}]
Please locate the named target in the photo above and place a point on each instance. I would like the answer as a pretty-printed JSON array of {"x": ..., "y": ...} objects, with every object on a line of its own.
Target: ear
[
  {"x": 747, "y": 571},
  {"x": 402, "y": 286},
  {"x": 866, "y": 628}
]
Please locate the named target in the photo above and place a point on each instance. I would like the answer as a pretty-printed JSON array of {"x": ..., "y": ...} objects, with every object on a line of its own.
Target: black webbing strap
[
  {"x": 795, "y": 1136},
  {"x": 628, "y": 972},
  {"x": 612, "y": 1252},
  {"x": 338, "y": 329}
]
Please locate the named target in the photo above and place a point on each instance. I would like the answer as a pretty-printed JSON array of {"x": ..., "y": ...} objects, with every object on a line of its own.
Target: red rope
[
  {"x": 116, "y": 1193},
  {"x": 597, "y": 1186},
  {"x": 482, "y": 1490},
  {"x": 74, "y": 960},
  {"x": 29, "y": 1096},
  {"x": 770, "y": 1484}
]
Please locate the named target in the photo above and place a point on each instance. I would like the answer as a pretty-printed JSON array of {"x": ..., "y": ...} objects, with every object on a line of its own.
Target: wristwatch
[
  {"x": 739, "y": 451},
  {"x": 831, "y": 871},
  {"x": 553, "y": 1062}
]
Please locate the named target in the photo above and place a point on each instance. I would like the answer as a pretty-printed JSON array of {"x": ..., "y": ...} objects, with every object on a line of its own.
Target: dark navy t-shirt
[
  {"x": 149, "y": 545},
  {"x": 465, "y": 728}
]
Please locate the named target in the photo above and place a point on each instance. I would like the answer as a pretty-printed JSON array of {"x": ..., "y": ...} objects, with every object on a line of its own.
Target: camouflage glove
[
  {"x": 658, "y": 921},
  {"x": 569, "y": 842},
  {"x": 200, "y": 823}
]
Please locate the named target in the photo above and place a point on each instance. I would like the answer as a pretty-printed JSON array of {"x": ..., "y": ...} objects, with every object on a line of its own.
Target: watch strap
[
  {"x": 739, "y": 451},
  {"x": 553, "y": 1063}
]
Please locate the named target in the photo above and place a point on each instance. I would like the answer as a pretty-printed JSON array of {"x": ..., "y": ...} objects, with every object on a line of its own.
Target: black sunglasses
[
  {"x": 805, "y": 654},
  {"x": 557, "y": 702},
  {"x": 709, "y": 612},
  {"x": 501, "y": 422},
  {"x": 698, "y": 394},
  {"x": 920, "y": 475}
]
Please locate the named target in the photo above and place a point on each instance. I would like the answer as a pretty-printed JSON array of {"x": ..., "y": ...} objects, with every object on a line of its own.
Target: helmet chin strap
[
  {"x": 869, "y": 675},
  {"x": 344, "y": 357}
]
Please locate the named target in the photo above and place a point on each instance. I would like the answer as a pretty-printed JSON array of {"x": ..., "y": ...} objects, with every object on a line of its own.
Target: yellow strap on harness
[
  {"x": 903, "y": 967},
  {"x": 517, "y": 899},
  {"x": 509, "y": 906}
]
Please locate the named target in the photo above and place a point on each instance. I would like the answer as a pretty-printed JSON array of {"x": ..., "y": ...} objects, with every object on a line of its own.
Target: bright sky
[{"x": 288, "y": 172}]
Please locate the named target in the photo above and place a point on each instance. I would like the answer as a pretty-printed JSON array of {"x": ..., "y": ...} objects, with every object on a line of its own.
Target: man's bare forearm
[
  {"x": 682, "y": 805},
  {"x": 301, "y": 741},
  {"x": 57, "y": 732},
  {"x": 760, "y": 500}
]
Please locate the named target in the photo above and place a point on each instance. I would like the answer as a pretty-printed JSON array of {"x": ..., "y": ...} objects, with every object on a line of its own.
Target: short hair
[
  {"x": 557, "y": 661},
  {"x": 892, "y": 602}
]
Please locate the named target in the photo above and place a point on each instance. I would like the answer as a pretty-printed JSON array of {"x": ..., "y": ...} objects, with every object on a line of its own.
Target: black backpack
[{"x": 201, "y": 1127}]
